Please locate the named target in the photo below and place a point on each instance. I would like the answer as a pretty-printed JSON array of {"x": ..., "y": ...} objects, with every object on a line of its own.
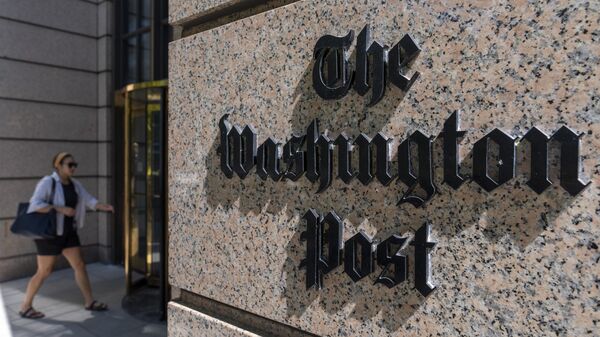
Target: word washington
[{"x": 312, "y": 155}]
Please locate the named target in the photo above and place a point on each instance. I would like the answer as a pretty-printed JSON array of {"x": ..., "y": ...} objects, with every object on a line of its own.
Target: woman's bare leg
[
  {"x": 45, "y": 264},
  {"x": 73, "y": 255}
]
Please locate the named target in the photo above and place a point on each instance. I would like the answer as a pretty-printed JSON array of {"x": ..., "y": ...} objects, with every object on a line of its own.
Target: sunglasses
[{"x": 72, "y": 165}]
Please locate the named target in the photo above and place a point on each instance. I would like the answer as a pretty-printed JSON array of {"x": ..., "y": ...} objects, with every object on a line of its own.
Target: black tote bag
[{"x": 36, "y": 225}]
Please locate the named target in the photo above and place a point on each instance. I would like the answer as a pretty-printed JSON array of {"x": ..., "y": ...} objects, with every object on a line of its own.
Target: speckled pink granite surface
[
  {"x": 509, "y": 262},
  {"x": 184, "y": 322},
  {"x": 182, "y": 10}
]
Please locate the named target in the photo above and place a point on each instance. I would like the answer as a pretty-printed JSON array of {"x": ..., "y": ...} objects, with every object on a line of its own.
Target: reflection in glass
[
  {"x": 142, "y": 50},
  {"x": 132, "y": 6},
  {"x": 146, "y": 182},
  {"x": 131, "y": 72},
  {"x": 145, "y": 13},
  {"x": 145, "y": 57}
]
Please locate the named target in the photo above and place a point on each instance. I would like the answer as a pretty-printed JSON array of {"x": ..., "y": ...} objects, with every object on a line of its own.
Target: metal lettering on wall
[
  {"x": 372, "y": 61},
  {"x": 313, "y": 154},
  {"x": 238, "y": 148},
  {"x": 328, "y": 231}
]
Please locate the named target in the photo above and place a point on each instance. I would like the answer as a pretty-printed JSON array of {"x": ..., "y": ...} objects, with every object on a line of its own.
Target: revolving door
[{"x": 145, "y": 202}]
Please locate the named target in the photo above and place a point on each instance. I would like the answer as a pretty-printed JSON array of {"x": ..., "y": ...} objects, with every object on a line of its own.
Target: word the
[{"x": 332, "y": 77}]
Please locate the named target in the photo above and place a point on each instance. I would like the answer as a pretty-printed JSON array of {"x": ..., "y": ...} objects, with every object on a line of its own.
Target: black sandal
[
  {"x": 31, "y": 313},
  {"x": 97, "y": 306}
]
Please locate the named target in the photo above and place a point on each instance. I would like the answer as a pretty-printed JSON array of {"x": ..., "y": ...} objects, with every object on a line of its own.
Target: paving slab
[{"x": 62, "y": 303}]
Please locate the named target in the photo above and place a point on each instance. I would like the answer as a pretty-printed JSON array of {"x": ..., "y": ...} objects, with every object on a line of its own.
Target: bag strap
[{"x": 51, "y": 201}]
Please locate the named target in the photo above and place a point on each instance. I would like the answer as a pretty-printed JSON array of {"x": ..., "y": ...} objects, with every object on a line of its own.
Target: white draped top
[{"x": 42, "y": 192}]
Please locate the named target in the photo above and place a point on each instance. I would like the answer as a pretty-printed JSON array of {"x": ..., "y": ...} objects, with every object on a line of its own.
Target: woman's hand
[
  {"x": 67, "y": 211},
  {"x": 104, "y": 207}
]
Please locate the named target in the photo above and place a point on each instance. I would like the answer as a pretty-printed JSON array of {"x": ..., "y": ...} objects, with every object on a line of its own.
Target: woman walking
[{"x": 70, "y": 201}]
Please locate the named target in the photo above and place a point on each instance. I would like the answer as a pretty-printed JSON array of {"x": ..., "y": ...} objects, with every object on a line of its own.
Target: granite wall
[{"x": 507, "y": 262}]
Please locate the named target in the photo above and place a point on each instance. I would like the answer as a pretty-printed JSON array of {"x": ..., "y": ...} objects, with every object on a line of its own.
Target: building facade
[
  {"x": 463, "y": 201},
  {"x": 88, "y": 77},
  {"x": 55, "y": 95}
]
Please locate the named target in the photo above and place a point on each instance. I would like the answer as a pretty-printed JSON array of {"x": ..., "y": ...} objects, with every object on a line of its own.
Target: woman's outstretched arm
[{"x": 92, "y": 203}]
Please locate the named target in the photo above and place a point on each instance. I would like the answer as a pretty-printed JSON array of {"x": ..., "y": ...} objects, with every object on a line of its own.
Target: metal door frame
[{"x": 126, "y": 91}]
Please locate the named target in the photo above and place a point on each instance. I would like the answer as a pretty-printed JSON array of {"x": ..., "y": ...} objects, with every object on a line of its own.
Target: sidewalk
[{"x": 60, "y": 299}]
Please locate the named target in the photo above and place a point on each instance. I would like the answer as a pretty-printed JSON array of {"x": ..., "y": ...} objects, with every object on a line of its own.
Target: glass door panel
[
  {"x": 145, "y": 177},
  {"x": 137, "y": 180}
]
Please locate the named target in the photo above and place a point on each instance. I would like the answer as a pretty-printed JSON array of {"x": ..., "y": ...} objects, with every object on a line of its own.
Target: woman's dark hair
[{"x": 62, "y": 156}]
